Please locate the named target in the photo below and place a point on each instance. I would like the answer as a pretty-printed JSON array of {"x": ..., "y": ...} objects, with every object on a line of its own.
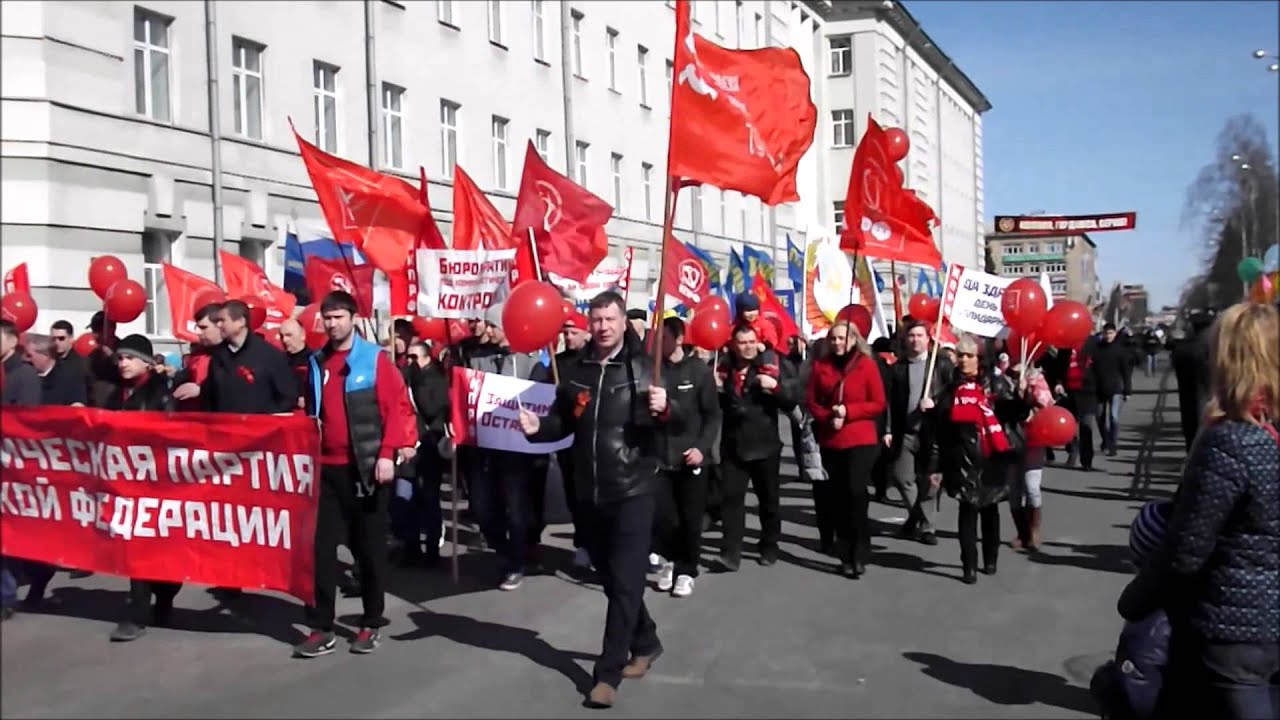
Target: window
[
  {"x": 577, "y": 44},
  {"x": 448, "y": 137},
  {"x": 615, "y": 167},
  {"x": 151, "y": 64},
  {"x": 841, "y": 55},
  {"x": 842, "y": 128},
  {"x": 759, "y": 30},
  {"x": 611, "y": 42},
  {"x": 542, "y": 143},
  {"x": 1011, "y": 250},
  {"x": 838, "y": 216},
  {"x": 580, "y": 153},
  {"x": 720, "y": 198},
  {"x": 646, "y": 181},
  {"x": 671, "y": 74},
  {"x": 392, "y": 126},
  {"x": 495, "y": 22},
  {"x": 155, "y": 251},
  {"x": 642, "y": 66},
  {"x": 246, "y": 86},
  {"x": 1059, "y": 287},
  {"x": 1055, "y": 267},
  {"x": 539, "y": 30},
  {"x": 325, "y": 94},
  {"x": 1053, "y": 247},
  {"x": 444, "y": 12},
  {"x": 499, "y": 133}
]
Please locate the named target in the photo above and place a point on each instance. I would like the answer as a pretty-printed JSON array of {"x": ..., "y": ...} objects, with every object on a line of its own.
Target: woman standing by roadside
[
  {"x": 976, "y": 445},
  {"x": 846, "y": 398},
  {"x": 1218, "y": 577}
]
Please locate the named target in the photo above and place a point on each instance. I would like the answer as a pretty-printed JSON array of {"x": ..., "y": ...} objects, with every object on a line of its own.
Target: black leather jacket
[
  {"x": 606, "y": 408},
  {"x": 155, "y": 393},
  {"x": 954, "y": 448}
]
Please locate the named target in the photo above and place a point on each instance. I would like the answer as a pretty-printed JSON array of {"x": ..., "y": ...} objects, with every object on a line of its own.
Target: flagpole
[
  {"x": 897, "y": 296},
  {"x": 659, "y": 305},
  {"x": 537, "y": 270}
]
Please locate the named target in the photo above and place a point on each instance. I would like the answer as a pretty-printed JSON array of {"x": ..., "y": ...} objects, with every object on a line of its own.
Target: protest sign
[
  {"x": 609, "y": 275},
  {"x": 175, "y": 497},
  {"x": 485, "y": 411},
  {"x": 460, "y": 284},
  {"x": 971, "y": 300}
]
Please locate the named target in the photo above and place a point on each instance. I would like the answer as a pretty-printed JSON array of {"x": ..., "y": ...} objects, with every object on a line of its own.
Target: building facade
[
  {"x": 111, "y": 129},
  {"x": 1069, "y": 260}
]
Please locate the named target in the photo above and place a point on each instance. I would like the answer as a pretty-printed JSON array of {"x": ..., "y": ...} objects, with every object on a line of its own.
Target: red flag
[
  {"x": 187, "y": 293},
  {"x": 684, "y": 275},
  {"x": 740, "y": 119},
  {"x": 402, "y": 288},
  {"x": 568, "y": 221},
  {"x": 883, "y": 220},
  {"x": 771, "y": 307},
  {"x": 16, "y": 280},
  {"x": 325, "y": 276},
  {"x": 242, "y": 278},
  {"x": 476, "y": 222},
  {"x": 379, "y": 214}
]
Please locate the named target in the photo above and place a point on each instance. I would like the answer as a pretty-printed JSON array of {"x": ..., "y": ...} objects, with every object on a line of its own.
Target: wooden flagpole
[
  {"x": 659, "y": 306},
  {"x": 537, "y": 270}
]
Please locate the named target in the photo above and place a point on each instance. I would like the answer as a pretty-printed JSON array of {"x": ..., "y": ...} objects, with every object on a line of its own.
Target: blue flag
[
  {"x": 795, "y": 265},
  {"x": 757, "y": 261},
  {"x": 735, "y": 281}
]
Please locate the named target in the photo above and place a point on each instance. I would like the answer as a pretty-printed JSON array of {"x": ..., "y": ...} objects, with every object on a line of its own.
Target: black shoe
[
  {"x": 826, "y": 547},
  {"x": 989, "y": 568},
  {"x": 127, "y": 631},
  {"x": 928, "y": 538},
  {"x": 730, "y": 563},
  {"x": 970, "y": 576},
  {"x": 1087, "y": 468},
  {"x": 768, "y": 556},
  {"x": 1111, "y": 452},
  {"x": 317, "y": 643},
  {"x": 366, "y": 641},
  {"x": 846, "y": 570},
  {"x": 859, "y": 569},
  {"x": 909, "y": 532},
  {"x": 6, "y": 613},
  {"x": 162, "y": 614}
]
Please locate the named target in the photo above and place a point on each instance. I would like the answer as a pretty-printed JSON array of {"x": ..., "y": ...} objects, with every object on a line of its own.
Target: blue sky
[{"x": 1110, "y": 106}]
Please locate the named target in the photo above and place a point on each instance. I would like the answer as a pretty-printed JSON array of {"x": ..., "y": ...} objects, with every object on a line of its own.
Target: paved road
[{"x": 907, "y": 640}]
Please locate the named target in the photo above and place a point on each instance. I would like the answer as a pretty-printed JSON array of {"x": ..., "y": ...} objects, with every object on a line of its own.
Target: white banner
[
  {"x": 971, "y": 300},
  {"x": 460, "y": 284},
  {"x": 486, "y": 411},
  {"x": 608, "y": 275}
]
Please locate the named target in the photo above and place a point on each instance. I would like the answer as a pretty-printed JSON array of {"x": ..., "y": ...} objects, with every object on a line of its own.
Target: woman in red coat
[{"x": 845, "y": 397}]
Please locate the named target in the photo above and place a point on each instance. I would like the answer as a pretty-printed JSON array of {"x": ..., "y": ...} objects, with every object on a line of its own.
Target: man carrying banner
[
  {"x": 19, "y": 386},
  {"x": 142, "y": 389},
  {"x": 606, "y": 400},
  {"x": 359, "y": 398}
]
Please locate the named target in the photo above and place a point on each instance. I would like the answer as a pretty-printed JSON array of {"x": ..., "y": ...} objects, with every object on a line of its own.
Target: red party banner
[{"x": 177, "y": 497}]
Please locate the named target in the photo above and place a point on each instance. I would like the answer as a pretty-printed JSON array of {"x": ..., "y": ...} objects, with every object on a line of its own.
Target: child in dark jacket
[{"x": 1127, "y": 688}]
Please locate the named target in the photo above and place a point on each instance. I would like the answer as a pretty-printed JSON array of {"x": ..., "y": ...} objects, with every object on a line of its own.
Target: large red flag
[
  {"x": 187, "y": 293},
  {"x": 883, "y": 220},
  {"x": 684, "y": 275},
  {"x": 242, "y": 277},
  {"x": 476, "y": 222},
  {"x": 379, "y": 214},
  {"x": 325, "y": 276},
  {"x": 771, "y": 308},
  {"x": 740, "y": 119},
  {"x": 566, "y": 219},
  {"x": 17, "y": 280}
]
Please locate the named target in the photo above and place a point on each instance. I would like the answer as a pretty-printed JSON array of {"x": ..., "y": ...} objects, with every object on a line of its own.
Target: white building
[
  {"x": 878, "y": 60},
  {"x": 107, "y": 144}
]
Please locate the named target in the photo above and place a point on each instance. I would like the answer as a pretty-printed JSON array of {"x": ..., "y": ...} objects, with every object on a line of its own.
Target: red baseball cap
[{"x": 577, "y": 321}]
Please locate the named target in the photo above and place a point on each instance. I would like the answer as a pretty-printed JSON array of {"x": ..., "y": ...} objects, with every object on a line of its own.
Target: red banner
[
  {"x": 1064, "y": 224},
  {"x": 177, "y": 497},
  {"x": 324, "y": 276}
]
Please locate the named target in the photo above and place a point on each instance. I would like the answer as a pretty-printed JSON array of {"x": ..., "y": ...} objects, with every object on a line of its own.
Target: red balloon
[
  {"x": 430, "y": 330},
  {"x": 924, "y": 308},
  {"x": 1053, "y": 426},
  {"x": 856, "y": 315},
  {"x": 533, "y": 316},
  {"x": 105, "y": 271},
  {"x": 713, "y": 303},
  {"x": 207, "y": 296},
  {"x": 898, "y": 142},
  {"x": 85, "y": 344},
  {"x": 19, "y": 308},
  {"x": 898, "y": 177},
  {"x": 1024, "y": 306},
  {"x": 709, "y": 330},
  {"x": 257, "y": 311},
  {"x": 124, "y": 301},
  {"x": 1066, "y": 325},
  {"x": 313, "y": 326}
]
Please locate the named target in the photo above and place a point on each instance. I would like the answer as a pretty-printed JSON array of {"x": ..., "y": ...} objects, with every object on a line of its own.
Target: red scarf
[
  {"x": 972, "y": 406},
  {"x": 1075, "y": 371}
]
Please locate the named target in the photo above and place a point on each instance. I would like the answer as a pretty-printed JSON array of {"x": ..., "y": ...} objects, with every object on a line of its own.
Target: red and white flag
[
  {"x": 684, "y": 275},
  {"x": 244, "y": 278},
  {"x": 16, "y": 280},
  {"x": 476, "y": 222},
  {"x": 187, "y": 293},
  {"x": 324, "y": 276},
  {"x": 566, "y": 220}
]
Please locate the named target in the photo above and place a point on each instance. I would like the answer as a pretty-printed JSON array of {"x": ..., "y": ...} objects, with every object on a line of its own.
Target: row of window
[
  {"x": 1032, "y": 269},
  {"x": 1032, "y": 248}
]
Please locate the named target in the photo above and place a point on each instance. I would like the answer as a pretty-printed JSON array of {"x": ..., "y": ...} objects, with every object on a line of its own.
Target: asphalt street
[{"x": 796, "y": 640}]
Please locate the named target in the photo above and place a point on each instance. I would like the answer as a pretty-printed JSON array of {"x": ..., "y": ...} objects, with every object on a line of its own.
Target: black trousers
[
  {"x": 618, "y": 538},
  {"x": 350, "y": 508},
  {"x": 970, "y": 515},
  {"x": 823, "y": 510},
  {"x": 140, "y": 592},
  {"x": 682, "y": 501},
  {"x": 763, "y": 477},
  {"x": 421, "y": 511},
  {"x": 565, "y": 460},
  {"x": 848, "y": 471}
]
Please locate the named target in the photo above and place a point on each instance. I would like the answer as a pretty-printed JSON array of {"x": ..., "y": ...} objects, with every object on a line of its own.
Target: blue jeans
[
  {"x": 1232, "y": 681},
  {"x": 1109, "y": 419}
]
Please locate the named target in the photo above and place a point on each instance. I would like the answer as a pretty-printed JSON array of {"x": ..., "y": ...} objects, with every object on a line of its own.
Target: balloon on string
[
  {"x": 924, "y": 308},
  {"x": 710, "y": 328},
  {"x": 856, "y": 315},
  {"x": 124, "y": 301},
  {"x": 1024, "y": 306},
  {"x": 105, "y": 271},
  {"x": 1013, "y": 346},
  {"x": 1053, "y": 426},
  {"x": 1249, "y": 269},
  {"x": 257, "y": 311},
  {"x": 898, "y": 142},
  {"x": 713, "y": 303},
  {"x": 313, "y": 326},
  {"x": 20, "y": 309},
  {"x": 85, "y": 344},
  {"x": 532, "y": 316},
  {"x": 1066, "y": 325}
]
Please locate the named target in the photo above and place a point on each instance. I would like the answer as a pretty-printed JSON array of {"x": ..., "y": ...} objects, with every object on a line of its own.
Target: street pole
[{"x": 215, "y": 133}]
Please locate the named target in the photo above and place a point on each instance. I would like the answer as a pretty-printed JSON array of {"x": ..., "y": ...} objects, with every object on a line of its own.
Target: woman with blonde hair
[{"x": 1218, "y": 574}]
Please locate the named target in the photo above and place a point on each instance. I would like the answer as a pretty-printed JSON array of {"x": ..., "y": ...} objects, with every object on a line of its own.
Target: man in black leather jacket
[{"x": 607, "y": 401}]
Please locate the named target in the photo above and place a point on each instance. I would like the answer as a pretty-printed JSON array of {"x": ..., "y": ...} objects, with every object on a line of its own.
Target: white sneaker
[
  {"x": 581, "y": 558},
  {"x": 440, "y": 542},
  {"x": 684, "y": 587},
  {"x": 665, "y": 574},
  {"x": 655, "y": 562}
]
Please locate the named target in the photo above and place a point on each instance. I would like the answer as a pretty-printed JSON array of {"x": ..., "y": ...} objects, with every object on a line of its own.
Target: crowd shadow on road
[
  {"x": 1103, "y": 558},
  {"x": 497, "y": 637},
  {"x": 1004, "y": 685}
]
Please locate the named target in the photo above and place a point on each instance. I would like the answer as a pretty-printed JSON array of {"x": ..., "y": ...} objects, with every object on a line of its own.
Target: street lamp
[{"x": 1263, "y": 55}]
